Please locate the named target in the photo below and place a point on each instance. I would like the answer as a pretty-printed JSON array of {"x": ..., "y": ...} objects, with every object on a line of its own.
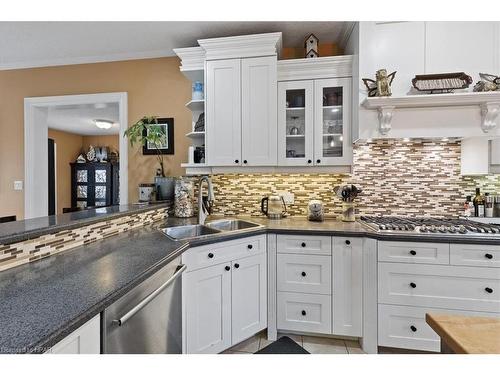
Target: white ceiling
[
  {"x": 78, "y": 119},
  {"x": 33, "y": 44}
]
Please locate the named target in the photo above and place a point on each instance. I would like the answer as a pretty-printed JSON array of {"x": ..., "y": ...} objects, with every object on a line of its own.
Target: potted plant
[{"x": 146, "y": 131}]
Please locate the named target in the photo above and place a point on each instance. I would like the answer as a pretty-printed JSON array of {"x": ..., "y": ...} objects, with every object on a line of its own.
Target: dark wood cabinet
[{"x": 94, "y": 184}]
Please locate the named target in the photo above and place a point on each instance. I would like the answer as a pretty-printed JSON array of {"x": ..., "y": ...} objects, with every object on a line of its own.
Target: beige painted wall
[{"x": 154, "y": 87}]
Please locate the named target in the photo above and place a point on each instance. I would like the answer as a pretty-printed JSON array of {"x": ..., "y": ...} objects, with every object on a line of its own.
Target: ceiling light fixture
[{"x": 103, "y": 124}]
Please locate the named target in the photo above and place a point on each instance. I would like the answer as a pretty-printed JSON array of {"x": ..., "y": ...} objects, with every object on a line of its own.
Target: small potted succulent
[{"x": 147, "y": 131}]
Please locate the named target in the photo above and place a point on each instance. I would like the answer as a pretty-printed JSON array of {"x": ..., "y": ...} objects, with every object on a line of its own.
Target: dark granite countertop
[
  {"x": 42, "y": 302},
  {"x": 22, "y": 230}
]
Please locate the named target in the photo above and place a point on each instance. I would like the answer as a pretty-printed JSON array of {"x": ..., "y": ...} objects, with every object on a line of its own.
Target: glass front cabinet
[
  {"x": 94, "y": 185},
  {"x": 314, "y": 122}
]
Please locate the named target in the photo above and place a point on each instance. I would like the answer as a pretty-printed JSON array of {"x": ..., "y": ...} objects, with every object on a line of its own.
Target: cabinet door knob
[
  {"x": 309, "y": 161},
  {"x": 347, "y": 242},
  {"x": 303, "y": 244},
  {"x": 303, "y": 312},
  {"x": 318, "y": 161},
  {"x": 250, "y": 247},
  {"x": 227, "y": 268},
  {"x": 489, "y": 256},
  {"x": 303, "y": 274},
  {"x": 236, "y": 161},
  {"x": 413, "y": 328},
  {"x": 489, "y": 290},
  {"x": 413, "y": 252},
  {"x": 413, "y": 285},
  {"x": 236, "y": 265},
  {"x": 244, "y": 161},
  {"x": 210, "y": 255}
]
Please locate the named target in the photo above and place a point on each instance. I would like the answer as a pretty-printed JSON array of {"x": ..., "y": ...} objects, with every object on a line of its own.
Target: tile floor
[{"x": 314, "y": 345}]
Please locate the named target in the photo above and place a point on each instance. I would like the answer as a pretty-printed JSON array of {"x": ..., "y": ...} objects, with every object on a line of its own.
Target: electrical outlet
[
  {"x": 288, "y": 197},
  {"x": 18, "y": 185}
]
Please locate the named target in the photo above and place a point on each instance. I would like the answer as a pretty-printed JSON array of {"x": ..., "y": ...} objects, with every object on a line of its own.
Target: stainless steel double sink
[{"x": 213, "y": 228}]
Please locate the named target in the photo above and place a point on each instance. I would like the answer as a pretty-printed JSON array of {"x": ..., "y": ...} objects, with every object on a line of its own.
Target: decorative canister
[
  {"x": 184, "y": 198},
  {"x": 348, "y": 211},
  {"x": 315, "y": 210}
]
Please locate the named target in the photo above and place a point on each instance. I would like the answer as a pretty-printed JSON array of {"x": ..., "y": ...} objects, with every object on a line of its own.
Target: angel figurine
[
  {"x": 382, "y": 85},
  {"x": 488, "y": 82}
]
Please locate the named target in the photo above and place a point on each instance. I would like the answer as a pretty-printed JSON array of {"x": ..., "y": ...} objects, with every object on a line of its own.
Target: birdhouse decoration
[{"x": 311, "y": 46}]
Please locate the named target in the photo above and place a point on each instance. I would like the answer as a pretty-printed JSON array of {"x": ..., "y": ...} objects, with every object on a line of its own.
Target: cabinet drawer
[
  {"x": 475, "y": 255},
  {"x": 413, "y": 252},
  {"x": 316, "y": 245},
  {"x": 221, "y": 252},
  {"x": 304, "y": 273},
  {"x": 304, "y": 312},
  {"x": 464, "y": 288},
  {"x": 395, "y": 326}
]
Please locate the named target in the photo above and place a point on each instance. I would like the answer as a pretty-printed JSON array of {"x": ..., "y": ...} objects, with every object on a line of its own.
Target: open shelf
[
  {"x": 193, "y": 165},
  {"x": 195, "y": 135},
  {"x": 196, "y": 105}
]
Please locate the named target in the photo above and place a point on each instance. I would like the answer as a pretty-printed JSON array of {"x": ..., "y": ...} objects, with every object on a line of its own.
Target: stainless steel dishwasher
[{"x": 148, "y": 319}]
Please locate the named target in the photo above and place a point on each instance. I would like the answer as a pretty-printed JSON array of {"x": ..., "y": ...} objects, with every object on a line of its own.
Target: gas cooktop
[{"x": 424, "y": 225}]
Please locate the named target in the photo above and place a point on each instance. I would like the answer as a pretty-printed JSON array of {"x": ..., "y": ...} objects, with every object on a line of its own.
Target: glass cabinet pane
[
  {"x": 100, "y": 192},
  {"x": 81, "y": 191},
  {"x": 81, "y": 176},
  {"x": 295, "y": 123},
  {"x": 81, "y": 204},
  {"x": 100, "y": 176},
  {"x": 333, "y": 126}
]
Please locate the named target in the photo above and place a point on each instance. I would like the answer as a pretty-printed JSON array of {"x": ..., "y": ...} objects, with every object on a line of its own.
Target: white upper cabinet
[
  {"x": 258, "y": 111},
  {"x": 223, "y": 118},
  {"x": 332, "y": 120},
  {"x": 470, "y": 47},
  {"x": 295, "y": 123}
]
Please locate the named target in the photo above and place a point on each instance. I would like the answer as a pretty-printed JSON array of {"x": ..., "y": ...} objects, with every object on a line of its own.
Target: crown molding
[
  {"x": 317, "y": 68},
  {"x": 192, "y": 58},
  {"x": 254, "y": 45},
  {"x": 345, "y": 34}
]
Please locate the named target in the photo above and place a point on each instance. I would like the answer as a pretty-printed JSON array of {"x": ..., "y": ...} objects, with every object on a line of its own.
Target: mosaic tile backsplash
[
  {"x": 397, "y": 178},
  {"x": 41, "y": 247}
]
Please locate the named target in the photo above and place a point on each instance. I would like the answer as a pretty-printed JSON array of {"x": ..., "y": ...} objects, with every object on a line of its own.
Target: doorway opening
[{"x": 76, "y": 155}]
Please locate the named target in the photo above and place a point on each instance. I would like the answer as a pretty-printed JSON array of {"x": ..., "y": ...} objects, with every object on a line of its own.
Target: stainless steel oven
[{"x": 148, "y": 319}]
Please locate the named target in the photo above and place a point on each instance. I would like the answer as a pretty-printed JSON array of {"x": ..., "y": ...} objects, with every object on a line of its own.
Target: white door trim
[{"x": 36, "y": 175}]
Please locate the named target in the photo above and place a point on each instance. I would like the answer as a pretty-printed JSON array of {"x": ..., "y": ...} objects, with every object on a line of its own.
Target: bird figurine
[{"x": 488, "y": 82}]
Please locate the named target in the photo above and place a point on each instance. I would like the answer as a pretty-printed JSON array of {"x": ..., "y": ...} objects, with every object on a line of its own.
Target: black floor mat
[{"x": 284, "y": 345}]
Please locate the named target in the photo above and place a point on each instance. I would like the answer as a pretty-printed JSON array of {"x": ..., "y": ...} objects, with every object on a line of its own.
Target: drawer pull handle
[
  {"x": 303, "y": 274},
  {"x": 250, "y": 247},
  {"x": 236, "y": 265},
  {"x": 303, "y": 312},
  {"x": 413, "y": 252},
  {"x": 489, "y": 290},
  {"x": 236, "y": 161},
  {"x": 413, "y": 328},
  {"x": 210, "y": 255},
  {"x": 227, "y": 268},
  {"x": 303, "y": 244},
  {"x": 347, "y": 242},
  {"x": 413, "y": 285},
  {"x": 489, "y": 256}
]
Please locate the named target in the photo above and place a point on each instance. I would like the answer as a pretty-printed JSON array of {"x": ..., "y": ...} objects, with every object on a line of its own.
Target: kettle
[{"x": 273, "y": 206}]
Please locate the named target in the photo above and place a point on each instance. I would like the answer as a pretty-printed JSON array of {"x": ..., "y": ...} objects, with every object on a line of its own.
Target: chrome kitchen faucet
[{"x": 204, "y": 207}]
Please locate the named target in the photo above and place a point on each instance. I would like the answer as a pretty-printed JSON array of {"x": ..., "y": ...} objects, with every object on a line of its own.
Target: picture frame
[{"x": 168, "y": 124}]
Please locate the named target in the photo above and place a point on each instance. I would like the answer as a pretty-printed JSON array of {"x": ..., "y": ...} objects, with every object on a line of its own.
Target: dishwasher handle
[{"x": 148, "y": 299}]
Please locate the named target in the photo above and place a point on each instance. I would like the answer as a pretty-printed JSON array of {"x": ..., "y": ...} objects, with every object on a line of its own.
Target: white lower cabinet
[
  {"x": 84, "y": 340},
  {"x": 405, "y": 326},
  {"x": 304, "y": 312},
  {"x": 320, "y": 284},
  {"x": 224, "y": 303},
  {"x": 464, "y": 280},
  {"x": 348, "y": 286},
  {"x": 249, "y": 297},
  {"x": 208, "y": 309}
]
